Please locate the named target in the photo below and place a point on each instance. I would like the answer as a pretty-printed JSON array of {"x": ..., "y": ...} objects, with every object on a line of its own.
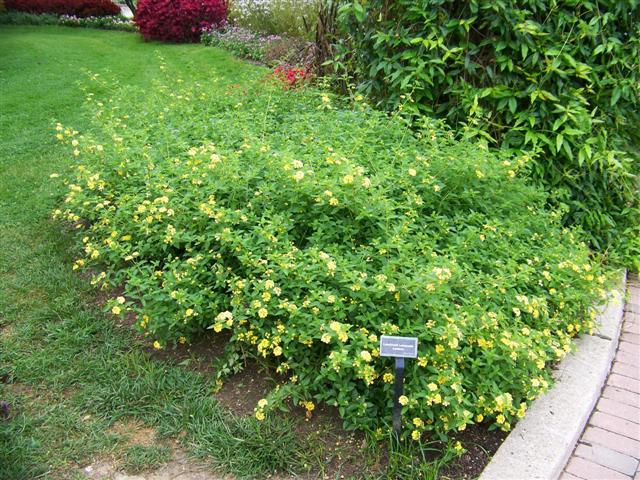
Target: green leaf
[
  {"x": 358, "y": 11},
  {"x": 615, "y": 96}
]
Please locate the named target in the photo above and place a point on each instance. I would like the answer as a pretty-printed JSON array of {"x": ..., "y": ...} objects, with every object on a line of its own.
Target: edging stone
[{"x": 542, "y": 442}]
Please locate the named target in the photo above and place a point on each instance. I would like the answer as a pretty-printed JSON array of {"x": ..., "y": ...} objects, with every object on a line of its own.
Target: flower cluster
[
  {"x": 240, "y": 41},
  {"x": 306, "y": 232},
  {"x": 106, "y": 23},
  {"x": 78, "y": 8},
  {"x": 178, "y": 20},
  {"x": 291, "y": 77}
]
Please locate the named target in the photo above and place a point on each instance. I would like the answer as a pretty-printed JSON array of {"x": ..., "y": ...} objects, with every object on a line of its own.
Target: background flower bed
[
  {"x": 103, "y": 23},
  {"x": 273, "y": 50},
  {"x": 78, "y": 8},
  {"x": 306, "y": 229},
  {"x": 293, "y": 18}
]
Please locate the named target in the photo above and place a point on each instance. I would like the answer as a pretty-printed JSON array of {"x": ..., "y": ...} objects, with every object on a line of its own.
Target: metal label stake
[
  {"x": 398, "y": 387},
  {"x": 399, "y": 348}
]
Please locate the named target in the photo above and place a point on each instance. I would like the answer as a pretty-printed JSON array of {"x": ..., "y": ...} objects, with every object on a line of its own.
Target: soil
[
  {"x": 481, "y": 444},
  {"x": 179, "y": 467},
  {"x": 135, "y": 433}
]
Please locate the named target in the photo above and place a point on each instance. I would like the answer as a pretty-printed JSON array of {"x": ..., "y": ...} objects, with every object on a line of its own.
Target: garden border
[{"x": 542, "y": 442}]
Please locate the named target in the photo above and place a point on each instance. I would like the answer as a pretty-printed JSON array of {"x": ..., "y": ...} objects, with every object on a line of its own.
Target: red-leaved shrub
[
  {"x": 78, "y": 8},
  {"x": 178, "y": 20}
]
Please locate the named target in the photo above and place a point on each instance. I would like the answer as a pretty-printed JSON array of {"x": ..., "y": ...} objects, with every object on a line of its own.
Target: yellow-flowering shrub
[{"x": 307, "y": 228}]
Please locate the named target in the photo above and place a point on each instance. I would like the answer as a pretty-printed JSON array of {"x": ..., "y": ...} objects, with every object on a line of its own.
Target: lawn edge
[{"x": 542, "y": 442}]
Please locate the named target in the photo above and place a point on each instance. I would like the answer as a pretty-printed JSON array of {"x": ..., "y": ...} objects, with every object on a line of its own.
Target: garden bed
[
  {"x": 494, "y": 242},
  {"x": 308, "y": 227}
]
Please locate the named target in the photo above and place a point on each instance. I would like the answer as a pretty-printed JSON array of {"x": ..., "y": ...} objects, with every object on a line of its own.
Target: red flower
[{"x": 291, "y": 77}]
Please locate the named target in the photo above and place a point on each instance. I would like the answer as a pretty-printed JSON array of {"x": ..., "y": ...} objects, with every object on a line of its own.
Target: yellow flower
[
  {"x": 365, "y": 355},
  {"x": 458, "y": 447},
  {"x": 403, "y": 400},
  {"x": 418, "y": 422},
  {"x": 326, "y": 338},
  {"x": 157, "y": 345},
  {"x": 263, "y": 403},
  {"x": 120, "y": 300},
  {"x": 437, "y": 188},
  {"x": 347, "y": 179},
  {"x": 116, "y": 310},
  {"x": 439, "y": 348},
  {"x": 333, "y": 201},
  {"x": 432, "y": 386},
  {"x": 188, "y": 312},
  {"x": 479, "y": 418},
  {"x": 260, "y": 415},
  {"x": 387, "y": 378},
  {"x": 262, "y": 313},
  {"x": 299, "y": 175},
  {"x": 415, "y": 435},
  {"x": 182, "y": 340},
  {"x": 412, "y": 172},
  {"x": 277, "y": 351},
  {"x": 331, "y": 265},
  {"x": 500, "y": 419}
]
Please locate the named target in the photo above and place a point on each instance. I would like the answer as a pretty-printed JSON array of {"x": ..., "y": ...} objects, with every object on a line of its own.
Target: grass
[{"x": 69, "y": 373}]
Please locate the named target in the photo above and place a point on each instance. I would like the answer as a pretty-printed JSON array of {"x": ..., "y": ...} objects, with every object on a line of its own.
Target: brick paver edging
[
  {"x": 542, "y": 442},
  {"x": 609, "y": 447}
]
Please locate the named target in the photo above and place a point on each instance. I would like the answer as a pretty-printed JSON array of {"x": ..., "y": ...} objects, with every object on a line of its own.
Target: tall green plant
[{"x": 560, "y": 78}]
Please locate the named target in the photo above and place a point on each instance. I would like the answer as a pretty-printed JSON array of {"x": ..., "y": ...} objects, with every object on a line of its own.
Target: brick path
[{"x": 610, "y": 444}]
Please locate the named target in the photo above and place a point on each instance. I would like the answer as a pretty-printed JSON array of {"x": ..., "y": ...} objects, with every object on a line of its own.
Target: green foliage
[
  {"x": 560, "y": 79},
  {"x": 306, "y": 229}
]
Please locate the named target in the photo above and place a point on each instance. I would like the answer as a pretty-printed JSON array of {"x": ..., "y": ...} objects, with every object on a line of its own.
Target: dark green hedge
[{"x": 557, "y": 78}]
